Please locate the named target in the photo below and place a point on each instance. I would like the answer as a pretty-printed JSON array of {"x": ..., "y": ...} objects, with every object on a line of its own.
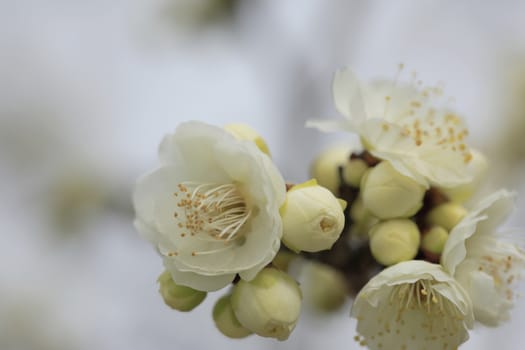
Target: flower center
[
  {"x": 414, "y": 316},
  {"x": 422, "y": 122},
  {"x": 502, "y": 271},
  {"x": 420, "y": 293},
  {"x": 439, "y": 311},
  {"x": 217, "y": 210}
]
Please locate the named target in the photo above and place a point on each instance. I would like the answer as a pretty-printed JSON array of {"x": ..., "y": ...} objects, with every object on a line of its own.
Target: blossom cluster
[{"x": 397, "y": 207}]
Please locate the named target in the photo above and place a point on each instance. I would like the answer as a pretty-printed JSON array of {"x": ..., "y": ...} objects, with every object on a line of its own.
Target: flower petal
[
  {"x": 347, "y": 95},
  {"x": 393, "y": 313},
  {"x": 197, "y": 281},
  {"x": 482, "y": 219},
  {"x": 330, "y": 125}
]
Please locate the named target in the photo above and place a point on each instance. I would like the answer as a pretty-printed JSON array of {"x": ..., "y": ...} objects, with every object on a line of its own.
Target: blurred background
[{"x": 88, "y": 89}]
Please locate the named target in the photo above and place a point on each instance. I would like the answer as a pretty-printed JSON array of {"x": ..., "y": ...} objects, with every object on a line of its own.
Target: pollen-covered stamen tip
[
  {"x": 421, "y": 294},
  {"x": 217, "y": 210},
  {"x": 425, "y": 124}
]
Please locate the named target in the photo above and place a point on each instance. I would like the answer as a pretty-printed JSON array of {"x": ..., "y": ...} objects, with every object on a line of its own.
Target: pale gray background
[{"x": 90, "y": 87}]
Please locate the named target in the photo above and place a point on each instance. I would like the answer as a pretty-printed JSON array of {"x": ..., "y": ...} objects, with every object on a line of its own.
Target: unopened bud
[
  {"x": 389, "y": 194},
  {"x": 446, "y": 215},
  {"x": 179, "y": 297},
  {"x": 245, "y": 132},
  {"x": 477, "y": 167},
  {"x": 394, "y": 241},
  {"x": 283, "y": 259},
  {"x": 269, "y": 305},
  {"x": 362, "y": 219},
  {"x": 324, "y": 287},
  {"x": 225, "y": 319},
  {"x": 353, "y": 171},
  {"x": 434, "y": 240},
  {"x": 312, "y": 217},
  {"x": 325, "y": 168}
]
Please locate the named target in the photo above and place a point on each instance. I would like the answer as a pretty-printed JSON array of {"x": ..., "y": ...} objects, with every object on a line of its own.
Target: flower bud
[
  {"x": 477, "y": 167},
  {"x": 269, "y": 305},
  {"x": 394, "y": 241},
  {"x": 433, "y": 243},
  {"x": 312, "y": 217},
  {"x": 353, "y": 171},
  {"x": 225, "y": 319},
  {"x": 178, "y": 297},
  {"x": 245, "y": 132},
  {"x": 283, "y": 259},
  {"x": 323, "y": 287},
  {"x": 446, "y": 215},
  {"x": 362, "y": 219},
  {"x": 325, "y": 168},
  {"x": 389, "y": 194},
  {"x": 434, "y": 240}
]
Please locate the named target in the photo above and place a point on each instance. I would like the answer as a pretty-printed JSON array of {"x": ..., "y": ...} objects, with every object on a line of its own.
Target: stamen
[
  {"x": 217, "y": 210},
  {"x": 422, "y": 123}
]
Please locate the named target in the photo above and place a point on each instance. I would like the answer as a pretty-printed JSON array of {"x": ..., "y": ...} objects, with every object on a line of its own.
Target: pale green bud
[
  {"x": 434, "y": 240},
  {"x": 325, "y": 168},
  {"x": 477, "y": 167},
  {"x": 323, "y": 287},
  {"x": 353, "y": 171},
  {"x": 394, "y": 241},
  {"x": 389, "y": 194},
  {"x": 269, "y": 305},
  {"x": 179, "y": 297},
  {"x": 312, "y": 217},
  {"x": 362, "y": 219},
  {"x": 225, "y": 319},
  {"x": 245, "y": 132},
  {"x": 283, "y": 259},
  {"x": 446, "y": 215},
  {"x": 358, "y": 212}
]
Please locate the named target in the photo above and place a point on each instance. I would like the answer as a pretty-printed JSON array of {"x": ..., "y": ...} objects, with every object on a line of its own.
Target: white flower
[
  {"x": 482, "y": 261},
  {"x": 211, "y": 208},
  {"x": 403, "y": 124},
  {"x": 412, "y": 305}
]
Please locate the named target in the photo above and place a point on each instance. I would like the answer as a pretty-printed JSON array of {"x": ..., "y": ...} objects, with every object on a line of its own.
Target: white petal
[
  {"x": 427, "y": 164},
  {"x": 482, "y": 219},
  {"x": 174, "y": 147},
  {"x": 331, "y": 125},
  {"x": 150, "y": 187},
  {"x": 168, "y": 151},
  {"x": 347, "y": 95},
  {"x": 389, "y": 100},
  {"x": 152, "y": 235},
  {"x": 194, "y": 143},
  {"x": 488, "y": 306},
  {"x": 199, "y": 282},
  {"x": 250, "y": 273}
]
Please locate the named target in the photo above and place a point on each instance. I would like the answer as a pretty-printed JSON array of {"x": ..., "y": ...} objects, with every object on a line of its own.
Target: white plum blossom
[
  {"x": 212, "y": 207},
  {"x": 483, "y": 261},
  {"x": 404, "y": 124},
  {"x": 412, "y": 305}
]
